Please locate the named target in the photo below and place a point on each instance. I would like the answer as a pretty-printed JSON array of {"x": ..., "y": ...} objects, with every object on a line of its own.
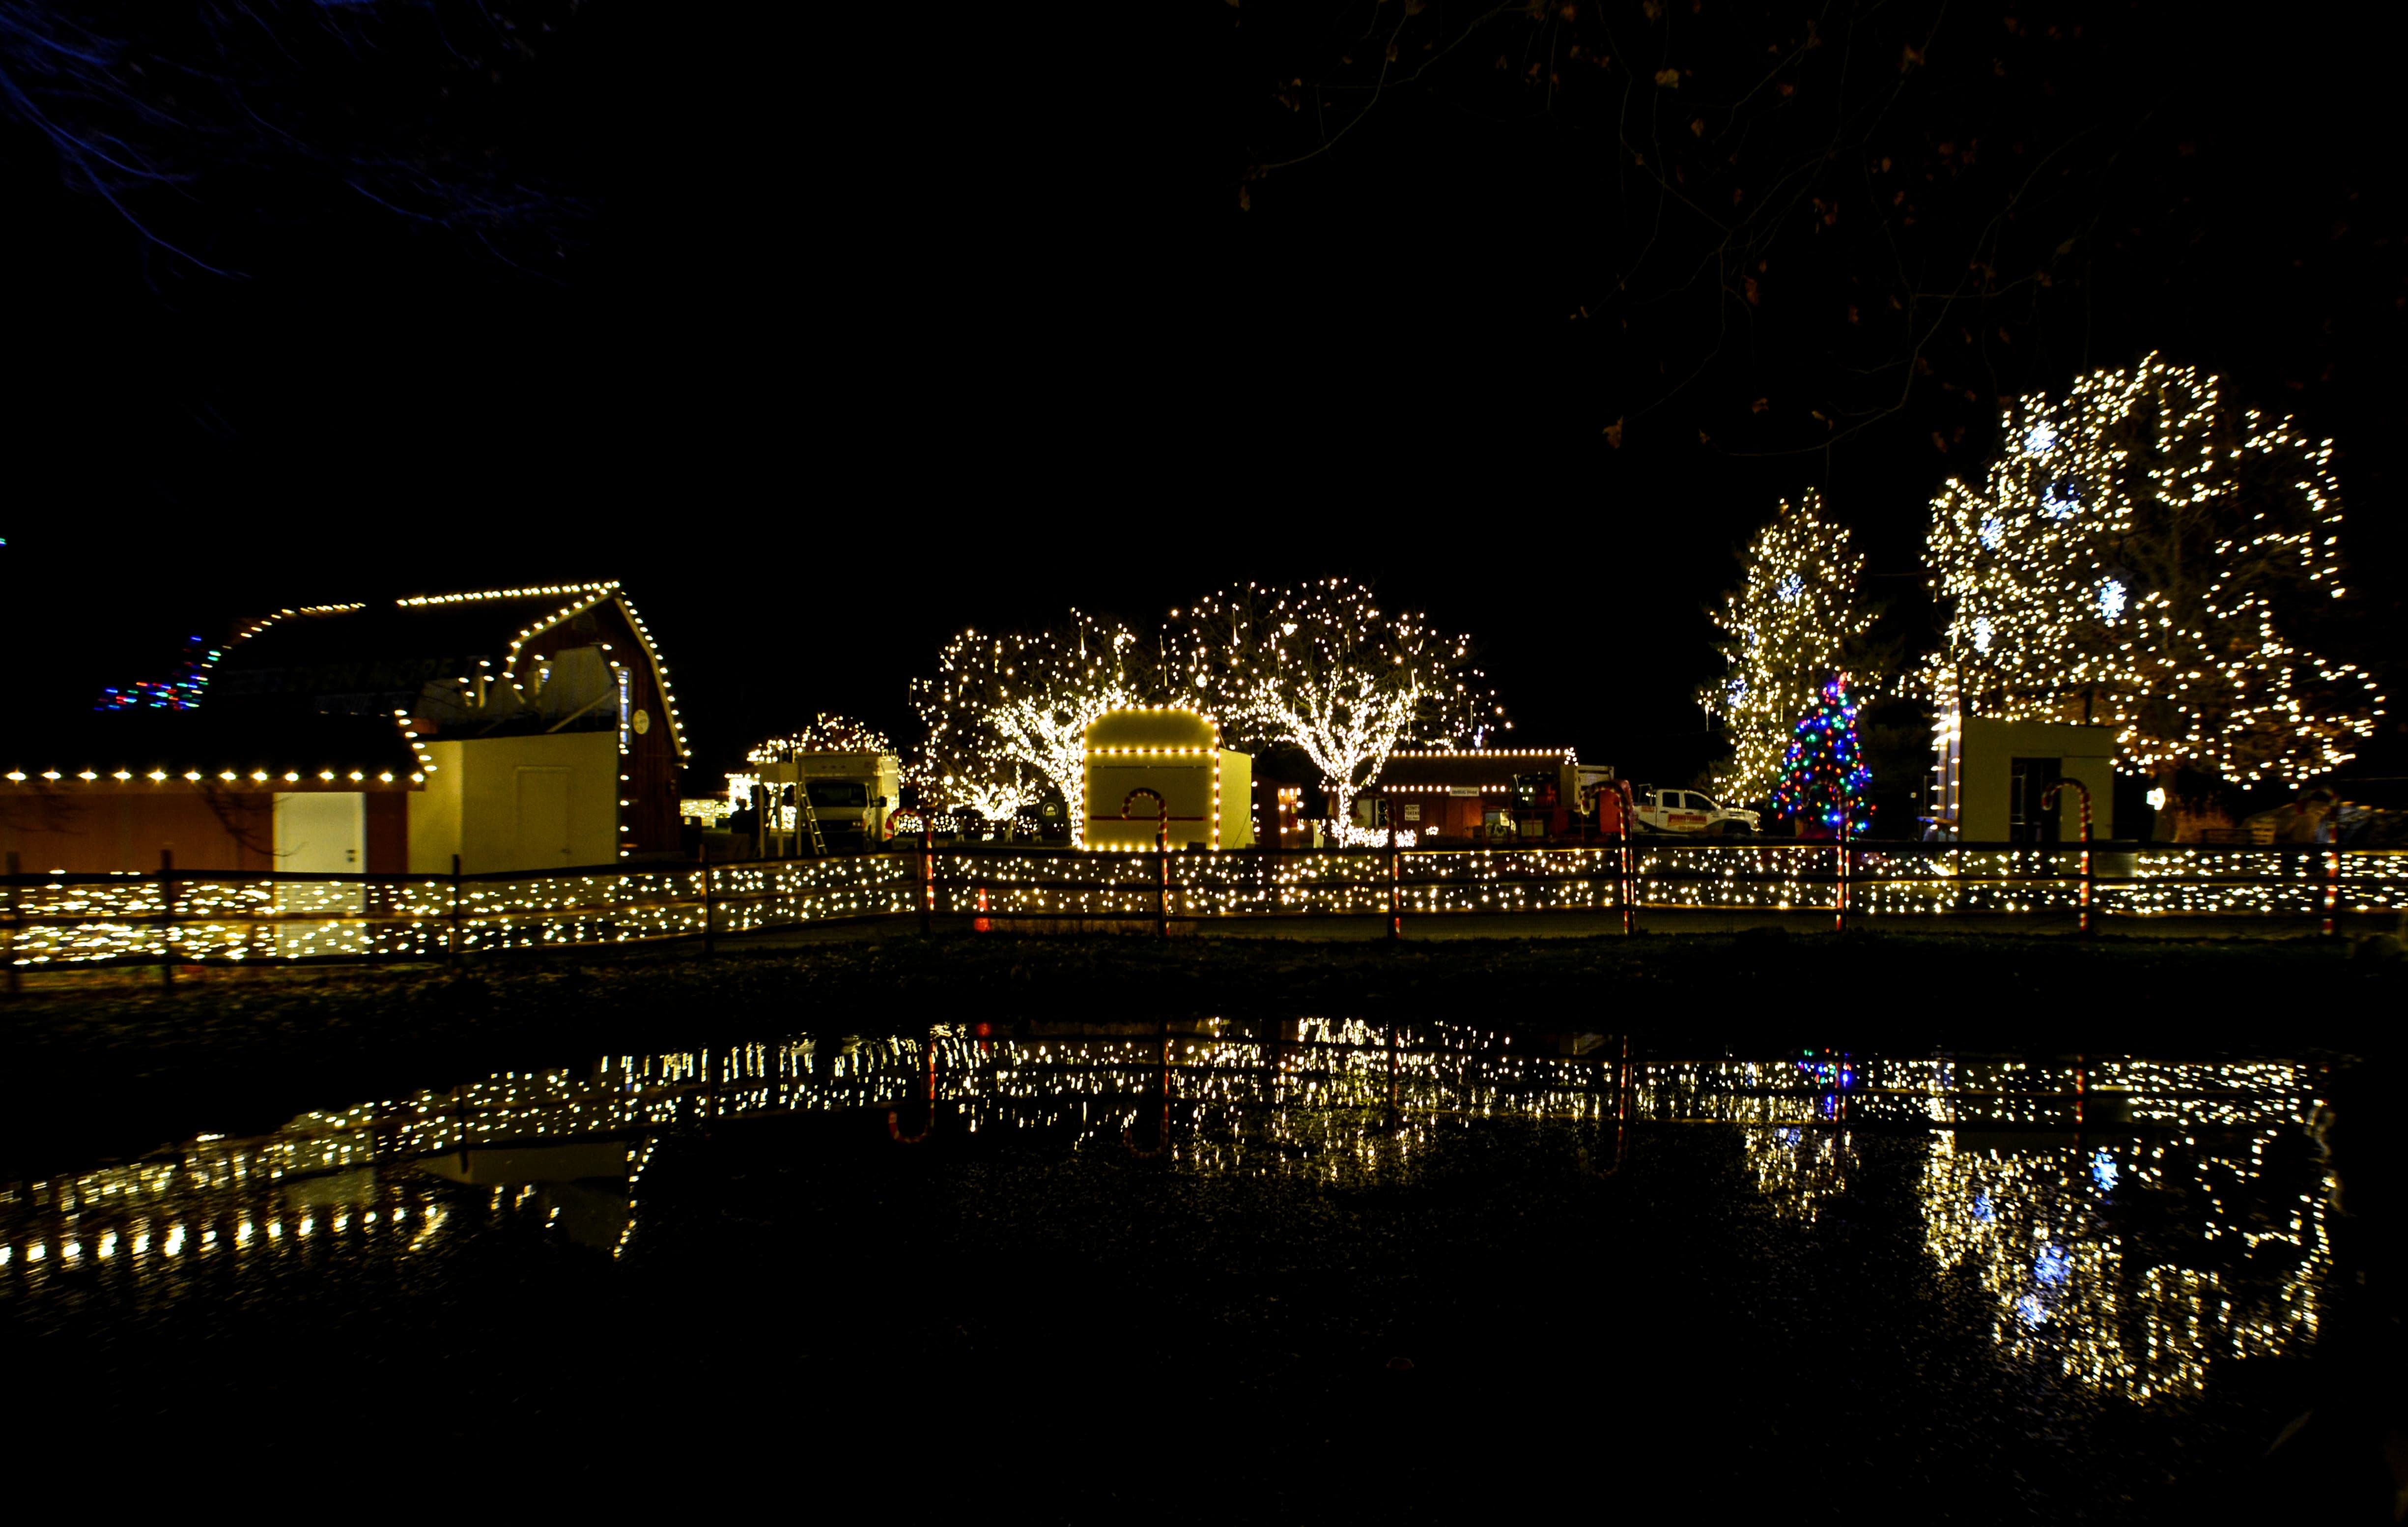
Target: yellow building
[{"x": 1177, "y": 754}]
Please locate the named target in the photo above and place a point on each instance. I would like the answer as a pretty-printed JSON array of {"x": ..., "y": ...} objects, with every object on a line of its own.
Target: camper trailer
[{"x": 846, "y": 796}]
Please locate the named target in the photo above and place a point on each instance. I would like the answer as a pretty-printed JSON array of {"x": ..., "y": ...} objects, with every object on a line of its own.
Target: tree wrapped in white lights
[
  {"x": 824, "y": 733},
  {"x": 1005, "y": 708},
  {"x": 1326, "y": 669},
  {"x": 981, "y": 782},
  {"x": 1800, "y": 616},
  {"x": 2144, "y": 554}
]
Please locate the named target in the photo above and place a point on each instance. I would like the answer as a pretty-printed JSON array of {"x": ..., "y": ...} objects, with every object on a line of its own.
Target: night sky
[{"x": 829, "y": 345}]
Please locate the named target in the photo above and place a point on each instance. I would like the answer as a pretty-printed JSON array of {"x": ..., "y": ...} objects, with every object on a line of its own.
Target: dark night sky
[{"x": 835, "y": 369}]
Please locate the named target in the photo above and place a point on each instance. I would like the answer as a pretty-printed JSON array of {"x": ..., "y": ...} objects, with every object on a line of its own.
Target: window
[{"x": 838, "y": 794}]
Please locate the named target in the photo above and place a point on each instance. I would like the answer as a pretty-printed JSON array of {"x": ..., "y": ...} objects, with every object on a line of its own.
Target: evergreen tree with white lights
[
  {"x": 1823, "y": 774},
  {"x": 2147, "y": 555},
  {"x": 1800, "y": 616}
]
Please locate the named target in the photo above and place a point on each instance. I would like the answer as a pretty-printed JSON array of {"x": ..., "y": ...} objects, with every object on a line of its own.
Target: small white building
[
  {"x": 1177, "y": 754},
  {"x": 1990, "y": 776}
]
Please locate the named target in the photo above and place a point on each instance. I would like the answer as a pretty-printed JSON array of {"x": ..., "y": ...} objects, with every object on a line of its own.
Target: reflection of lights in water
[
  {"x": 2064, "y": 1287},
  {"x": 2052, "y": 1266}
]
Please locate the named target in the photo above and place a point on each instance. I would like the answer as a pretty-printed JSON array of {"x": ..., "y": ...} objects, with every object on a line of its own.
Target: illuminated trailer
[{"x": 848, "y": 797}]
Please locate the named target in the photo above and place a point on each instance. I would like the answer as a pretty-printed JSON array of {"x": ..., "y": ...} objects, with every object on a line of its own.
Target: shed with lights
[{"x": 1177, "y": 754}]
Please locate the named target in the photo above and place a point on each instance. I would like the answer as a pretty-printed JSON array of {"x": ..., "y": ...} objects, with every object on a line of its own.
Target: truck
[{"x": 1691, "y": 812}]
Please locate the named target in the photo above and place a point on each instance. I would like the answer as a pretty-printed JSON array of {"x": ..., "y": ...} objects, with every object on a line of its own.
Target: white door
[
  {"x": 543, "y": 820},
  {"x": 321, "y": 833}
]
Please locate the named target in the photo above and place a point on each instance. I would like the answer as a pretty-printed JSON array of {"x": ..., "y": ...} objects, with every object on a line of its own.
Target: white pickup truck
[{"x": 1691, "y": 812}]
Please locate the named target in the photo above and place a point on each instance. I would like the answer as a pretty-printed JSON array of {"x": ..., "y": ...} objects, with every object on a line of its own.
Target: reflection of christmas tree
[{"x": 1823, "y": 776}]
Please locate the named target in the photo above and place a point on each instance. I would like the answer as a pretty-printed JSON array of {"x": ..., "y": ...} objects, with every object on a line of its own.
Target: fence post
[
  {"x": 1630, "y": 803},
  {"x": 2048, "y": 798},
  {"x": 451, "y": 943},
  {"x": 167, "y": 918},
  {"x": 1839, "y": 903},
  {"x": 928, "y": 873},
  {"x": 710, "y": 915},
  {"x": 1162, "y": 866},
  {"x": 1396, "y": 873},
  {"x": 2332, "y": 890},
  {"x": 16, "y": 920}
]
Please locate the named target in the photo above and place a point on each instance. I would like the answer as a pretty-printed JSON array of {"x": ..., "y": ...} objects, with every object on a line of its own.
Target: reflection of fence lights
[{"x": 2064, "y": 1291}]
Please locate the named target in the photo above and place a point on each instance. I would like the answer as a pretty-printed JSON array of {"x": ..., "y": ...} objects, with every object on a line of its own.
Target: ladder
[{"x": 805, "y": 817}]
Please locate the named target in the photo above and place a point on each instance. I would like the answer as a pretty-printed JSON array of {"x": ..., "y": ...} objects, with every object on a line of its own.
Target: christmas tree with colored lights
[{"x": 1822, "y": 775}]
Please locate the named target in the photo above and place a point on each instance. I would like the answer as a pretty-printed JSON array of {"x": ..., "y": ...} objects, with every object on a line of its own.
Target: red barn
[{"x": 518, "y": 728}]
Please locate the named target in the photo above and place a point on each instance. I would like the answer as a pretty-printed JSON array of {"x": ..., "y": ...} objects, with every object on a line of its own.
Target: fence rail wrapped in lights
[{"x": 213, "y": 917}]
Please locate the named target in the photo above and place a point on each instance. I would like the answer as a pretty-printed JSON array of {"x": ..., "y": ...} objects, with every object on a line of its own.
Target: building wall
[
  {"x": 491, "y": 798},
  {"x": 112, "y": 827},
  {"x": 1988, "y": 751},
  {"x": 388, "y": 832},
  {"x": 1237, "y": 799},
  {"x": 1187, "y": 787},
  {"x": 645, "y": 776}
]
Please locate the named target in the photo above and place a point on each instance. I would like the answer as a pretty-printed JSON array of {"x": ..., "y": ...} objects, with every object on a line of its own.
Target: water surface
[{"x": 1296, "y": 1271}]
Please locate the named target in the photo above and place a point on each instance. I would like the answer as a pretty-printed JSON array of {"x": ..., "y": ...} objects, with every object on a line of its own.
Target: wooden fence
[{"x": 188, "y": 916}]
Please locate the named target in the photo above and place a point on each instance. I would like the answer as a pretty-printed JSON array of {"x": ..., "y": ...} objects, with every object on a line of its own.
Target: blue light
[
  {"x": 2032, "y": 1311},
  {"x": 2103, "y": 1171},
  {"x": 1982, "y": 1208},
  {"x": 2052, "y": 1267}
]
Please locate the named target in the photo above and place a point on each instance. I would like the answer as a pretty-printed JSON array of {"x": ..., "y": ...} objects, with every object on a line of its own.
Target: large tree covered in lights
[
  {"x": 974, "y": 777},
  {"x": 1800, "y": 616},
  {"x": 2149, "y": 554},
  {"x": 823, "y": 733},
  {"x": 1002, "y": 708},
  {"x": 1330, "y": 670}
]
